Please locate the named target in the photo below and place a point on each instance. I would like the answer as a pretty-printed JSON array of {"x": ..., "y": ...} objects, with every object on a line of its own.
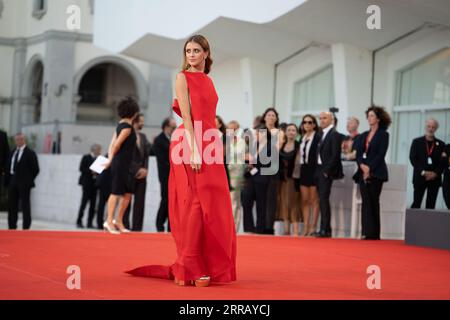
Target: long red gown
[{"x": 200, "y": 212}]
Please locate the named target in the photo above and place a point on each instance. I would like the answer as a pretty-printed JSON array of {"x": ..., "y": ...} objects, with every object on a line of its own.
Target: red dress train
[{"x": 200, "y": 212}]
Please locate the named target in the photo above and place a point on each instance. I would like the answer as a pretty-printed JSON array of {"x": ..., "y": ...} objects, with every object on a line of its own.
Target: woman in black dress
[
  {"x": 120, "y": 158},
  {"x": 307, "y": 162},
  {"x": 270, "y": 119},
  {"x": 288, "y": 207}
]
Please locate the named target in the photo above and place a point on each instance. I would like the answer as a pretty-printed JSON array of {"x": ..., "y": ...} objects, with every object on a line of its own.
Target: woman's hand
[
  {"x": 366, "y": 171},
  {"x": 141, "y": 174},
  {"x": 196, "y": 161}
]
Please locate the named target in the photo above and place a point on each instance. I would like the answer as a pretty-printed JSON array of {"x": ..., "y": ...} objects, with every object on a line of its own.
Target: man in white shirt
[{"x": 22, "y": 170}]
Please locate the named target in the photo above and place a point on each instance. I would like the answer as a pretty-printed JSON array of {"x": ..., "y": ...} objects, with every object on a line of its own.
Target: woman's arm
[
  {"x": 113, "y": 140},
  {"x": 118, "y": 142},
  {"x": 181, "y": 90}
]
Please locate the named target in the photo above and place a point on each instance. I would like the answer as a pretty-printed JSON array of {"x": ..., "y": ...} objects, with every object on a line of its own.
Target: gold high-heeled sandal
[{"x": 202, "y": 282}]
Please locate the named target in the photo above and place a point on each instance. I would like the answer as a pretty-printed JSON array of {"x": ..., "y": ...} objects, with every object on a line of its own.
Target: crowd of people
[
  {"x": 285, "y": 170},
  {"x": 310, "y": 158}
]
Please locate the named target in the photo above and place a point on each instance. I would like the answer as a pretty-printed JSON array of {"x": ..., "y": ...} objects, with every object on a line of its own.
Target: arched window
[{"x": 100, "y": 90}]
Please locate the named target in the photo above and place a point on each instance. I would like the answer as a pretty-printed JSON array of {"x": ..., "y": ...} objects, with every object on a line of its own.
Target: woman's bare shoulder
[
  {"x": 180, "y": 80},
  {"x": 180, "y": 76}
]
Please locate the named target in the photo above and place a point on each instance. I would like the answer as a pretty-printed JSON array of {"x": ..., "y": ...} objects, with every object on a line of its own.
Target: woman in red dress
[{"x": 200, "y": 213}]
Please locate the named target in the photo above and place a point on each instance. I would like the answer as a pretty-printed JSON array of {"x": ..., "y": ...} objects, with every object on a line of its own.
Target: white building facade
[{"x": 59, "y": 88}]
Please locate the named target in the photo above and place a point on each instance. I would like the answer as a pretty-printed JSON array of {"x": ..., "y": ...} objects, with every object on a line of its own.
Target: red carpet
[{"x": 33, "y": 266}]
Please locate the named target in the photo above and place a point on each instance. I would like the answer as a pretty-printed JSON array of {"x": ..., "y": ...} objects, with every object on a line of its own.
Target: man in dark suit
[
  {"x": 329, "y": 168},
  {"x": 161, "y": 151},
  {"x": 140, "y": 170},
  {"x": 22, "y": 170},
  {"x": 426, "y": 157},
  {"x": 4, "y": 154},
  {"x": 446, "y": 182},
  {"x": 87, "y": 182}
]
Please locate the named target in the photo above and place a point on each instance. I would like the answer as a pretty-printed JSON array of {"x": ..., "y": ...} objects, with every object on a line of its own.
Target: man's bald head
[{"x": 326, "y": 118}]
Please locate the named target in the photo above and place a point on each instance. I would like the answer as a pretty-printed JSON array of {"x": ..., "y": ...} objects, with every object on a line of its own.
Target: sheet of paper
[{"x": 99, "y": 164}]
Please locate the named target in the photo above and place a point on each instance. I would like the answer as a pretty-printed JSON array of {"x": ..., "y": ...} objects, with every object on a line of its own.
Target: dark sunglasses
[{"x": 308, "y": 122}]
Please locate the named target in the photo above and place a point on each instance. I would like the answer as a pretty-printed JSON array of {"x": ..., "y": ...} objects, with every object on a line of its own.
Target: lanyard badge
[{"x": 430, "y": 152}]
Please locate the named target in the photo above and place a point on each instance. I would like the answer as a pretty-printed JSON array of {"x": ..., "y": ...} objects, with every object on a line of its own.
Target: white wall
[
  {"x": 10, "y": 17},
  {"x": 299, "y": 67},
  {"x": 352, "y": 69},
  {"x": 6, "y": 75},
  {"x": 262, "y": 78},
  {"x": 17, "y": 20},
  {"x": 7, "y": 63},
  {"x": 77, "y": 138},
  {"x": 390, "y": 61},
  {"x": 233, "y": 91},
  {"x": 57, "y": 195},
  {"x": 245, "y": 89}
]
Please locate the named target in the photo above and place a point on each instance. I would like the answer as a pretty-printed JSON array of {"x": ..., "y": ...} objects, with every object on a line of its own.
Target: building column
[
  {"x": 57, "y": 95},
  {"x": 352, "y": 67},
  {"x": 20, "y": 54},
  {"x": 158, "y": 106},
  {"x": 258, "y": 85}
]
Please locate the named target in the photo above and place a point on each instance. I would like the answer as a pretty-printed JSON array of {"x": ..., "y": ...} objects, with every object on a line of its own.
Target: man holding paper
[{"x": 87, "y": 182}]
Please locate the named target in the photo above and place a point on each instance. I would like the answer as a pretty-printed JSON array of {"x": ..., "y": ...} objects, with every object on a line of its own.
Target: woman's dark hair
[
  {"x": 263, "y": 119},
  {"x": 285, "y": 140},
  {"x": 382, "y": 115},
  {"x": 257, "y": 121},
  {"x": 314, "y": 120},
  {"x": 203, "y": 42},
  {"x": 222, "y": 128},
  {"x": 291, "y": 125},
  {"x": 127, "y": 108}
]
